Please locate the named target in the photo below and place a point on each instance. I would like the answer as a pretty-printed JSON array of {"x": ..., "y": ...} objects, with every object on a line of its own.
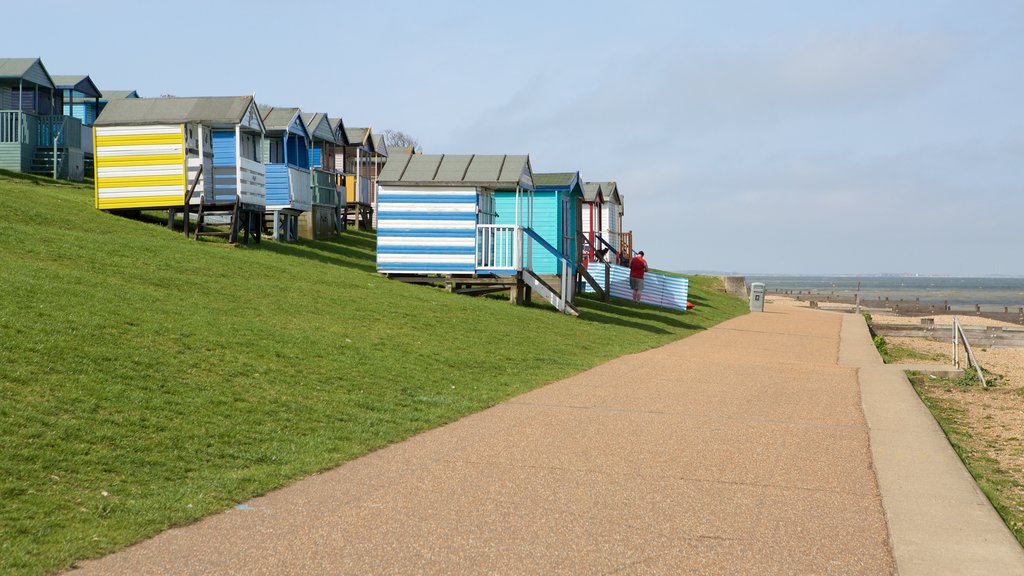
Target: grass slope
[{"x": 147, "y": 380}]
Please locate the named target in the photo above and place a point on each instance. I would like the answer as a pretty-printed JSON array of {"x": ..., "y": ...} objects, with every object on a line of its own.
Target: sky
[{"x": 789, "y": 137}]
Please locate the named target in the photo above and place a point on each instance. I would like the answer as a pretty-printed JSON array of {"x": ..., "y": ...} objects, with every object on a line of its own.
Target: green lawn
[{"x": 147, "y": 380}]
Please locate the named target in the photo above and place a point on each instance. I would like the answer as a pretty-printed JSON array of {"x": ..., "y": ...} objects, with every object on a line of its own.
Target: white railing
[{"x": 499, "y": 247}]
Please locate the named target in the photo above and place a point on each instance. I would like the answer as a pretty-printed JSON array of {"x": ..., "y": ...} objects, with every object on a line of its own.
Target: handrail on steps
[
  {"x": 958, "y": 334},
  {"x": 188, "y": 198},
  {"x": 568, "y": 276}
]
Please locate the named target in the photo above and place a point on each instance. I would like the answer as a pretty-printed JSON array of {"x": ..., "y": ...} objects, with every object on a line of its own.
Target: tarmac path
[{"x": 740, "y": 450}]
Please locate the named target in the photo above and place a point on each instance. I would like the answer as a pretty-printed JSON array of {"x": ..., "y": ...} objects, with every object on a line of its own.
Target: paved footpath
[{"x": 740, "y": 450}]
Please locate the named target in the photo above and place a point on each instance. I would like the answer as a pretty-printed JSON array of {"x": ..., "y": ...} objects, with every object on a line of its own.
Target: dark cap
[{"x": 641, "y": 252}]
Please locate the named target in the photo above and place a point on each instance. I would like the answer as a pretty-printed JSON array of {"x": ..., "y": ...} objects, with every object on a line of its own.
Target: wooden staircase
[
  {"x": 239, "y": 219},
  {"x": 42, "y": 161},
  {"x": 208, "y": 209}
]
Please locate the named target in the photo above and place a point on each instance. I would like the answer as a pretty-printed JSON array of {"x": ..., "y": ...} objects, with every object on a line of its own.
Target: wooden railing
[
  {"x": 16, "y": 126},
  {"x": 325, "y": 190},
  {"x": 12, "y": 128},
  {"x": 499, "y": 247},
  {"x": 66, "y": 129},
  {"x": 626, "y": 243}
]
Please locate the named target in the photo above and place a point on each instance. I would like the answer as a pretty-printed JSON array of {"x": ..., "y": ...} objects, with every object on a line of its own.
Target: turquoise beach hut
[{"x": 556, "y": 204}]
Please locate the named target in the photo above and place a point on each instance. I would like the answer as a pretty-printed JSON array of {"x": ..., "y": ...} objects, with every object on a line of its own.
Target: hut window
[
  {"x": 248, "y": 146},
  {"x": 276, "y": 152}
]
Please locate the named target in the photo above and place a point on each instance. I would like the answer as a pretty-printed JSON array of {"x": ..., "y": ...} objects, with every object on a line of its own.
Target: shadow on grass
[
  {"x": 630, "y": 315},
  {"x": 646, "y": 312},
  {"x": 339, "y": 252}
]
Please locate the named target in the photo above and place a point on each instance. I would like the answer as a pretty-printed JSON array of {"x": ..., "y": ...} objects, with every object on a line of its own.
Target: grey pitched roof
[
  {"x": 611, "y": 192},
  {"x": 357, "y": 136},
  {"x": 479, "y": 171},
  {"x": 28, "y": 69},
  {"x": 280, "y": 119},
  {"x": 554, "y": 179},
  {"x": 78, "y": 83},
  {"x": 338, "y": 125},
  {"x": 591, "y": 191},
  {"x": 379, "y": 145},
  {"x": 119, "y": 94},
  {"x": 319, "y": 126},
  {"x": 208, "y": 110}
]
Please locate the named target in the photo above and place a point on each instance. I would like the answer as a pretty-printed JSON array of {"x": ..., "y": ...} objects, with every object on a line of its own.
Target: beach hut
[
  {"x": 324, "y": 218},
  {"x": 286, "y": 154},
  {"x": 362, "y": 165},
  {"x": 557, "y": 199},
  {"x": 81, "y": 100},
  {"x": 180, "y": 153},
  {"x": 35, "y": 134},
  {"x": 611, "y": 215},
  {"x": 437, "y": 225},
  {"x": 591, "y": 221}
]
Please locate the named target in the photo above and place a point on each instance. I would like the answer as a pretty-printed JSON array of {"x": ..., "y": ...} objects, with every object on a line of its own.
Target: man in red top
[{"x": 637, "y": 267}]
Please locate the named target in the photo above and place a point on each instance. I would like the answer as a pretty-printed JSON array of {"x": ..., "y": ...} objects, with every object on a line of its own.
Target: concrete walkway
[
  {"x": 740, "y": 450},
  {"x": 939, "y": 520}
]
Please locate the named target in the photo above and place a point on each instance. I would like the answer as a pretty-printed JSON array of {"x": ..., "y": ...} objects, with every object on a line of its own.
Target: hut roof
[
  {"x": 338, "y": 125},
  {"x": 277, "y": 118},
  {"x": 119, "y": 94},
  {"x": 379, "y": 145},
  {"x": 554, "y": 179},
  {"x": 610, "y": 190},
  {"x": 592, "y": 192},
  {"x": 357, "y": 136},
  {"x": 28, "y": 69},
  {"x": 319, "y": 126},
  {"x": 476, "y": 170},
  {"x": 208, "y": 110},
  {"x": 78, "y": 83}
]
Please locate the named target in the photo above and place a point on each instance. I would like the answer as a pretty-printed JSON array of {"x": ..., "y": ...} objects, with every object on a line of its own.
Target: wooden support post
[
  {"x": 607, "y": 282},
  {"x": 449, "y": 286},
  {"x": 170, "y": 218},
  {"x": 516, "y": 291}
]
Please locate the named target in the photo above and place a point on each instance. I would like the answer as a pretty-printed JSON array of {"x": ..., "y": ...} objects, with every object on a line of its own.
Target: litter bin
[{"x": 757, "y": 297}]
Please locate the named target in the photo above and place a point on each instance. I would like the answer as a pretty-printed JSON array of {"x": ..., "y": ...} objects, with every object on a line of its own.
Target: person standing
[{"x": 637, "y": 267}]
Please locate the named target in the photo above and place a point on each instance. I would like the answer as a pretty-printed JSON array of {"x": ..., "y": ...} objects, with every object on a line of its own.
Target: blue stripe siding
[
  {"x": 445, "y": 250},
  {"x": 428, "y": 199},
  {"x": 424, "y": 267},
  {"x": 223, "y": 148},
  {"x": 407, "y": 237},
  {"x": 426, "y": 216},
  {"x": 425, "y": 233}
]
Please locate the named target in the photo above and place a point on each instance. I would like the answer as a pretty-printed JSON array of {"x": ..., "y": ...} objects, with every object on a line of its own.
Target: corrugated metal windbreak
[
  {"x": 426, "y": 230},
  {"x": 659, "y": 289},
  {"x": 140, "y": 166}
]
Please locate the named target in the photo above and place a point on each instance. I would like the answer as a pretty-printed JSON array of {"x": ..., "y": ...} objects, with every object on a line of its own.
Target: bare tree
[{"x": 399, "y": 139}]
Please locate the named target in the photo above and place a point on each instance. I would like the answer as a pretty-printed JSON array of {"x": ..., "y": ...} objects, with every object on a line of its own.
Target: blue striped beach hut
[
  {"x": 286, "y": 159},
  {"x": 433, "y": 206},
  {"x": 437, "y": 223}
]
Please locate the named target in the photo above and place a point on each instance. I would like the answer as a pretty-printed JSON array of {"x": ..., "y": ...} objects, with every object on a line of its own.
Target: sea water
[{"x": 993, "y": 294}]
